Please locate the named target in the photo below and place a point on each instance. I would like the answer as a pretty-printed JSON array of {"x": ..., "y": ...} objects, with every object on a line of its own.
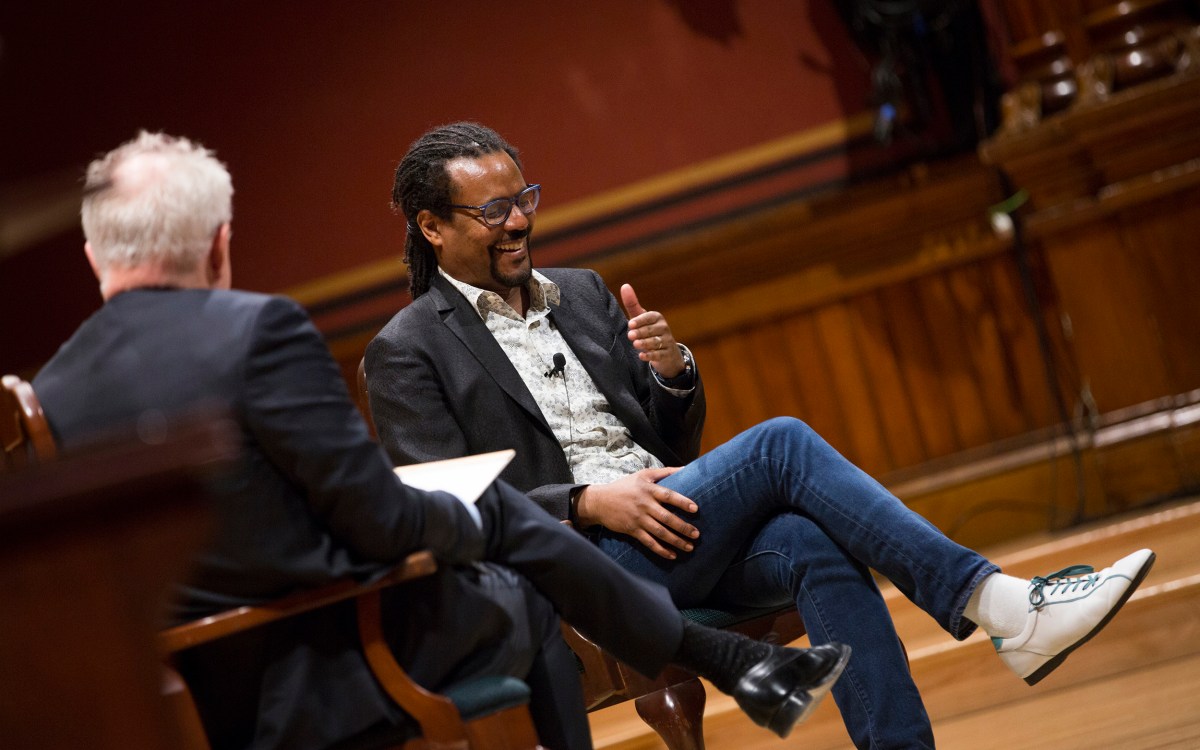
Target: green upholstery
[
  {"x": 487, "y": 695},
  {"x": 472, "y": 698},
  {"x": 721, "y": 618}
]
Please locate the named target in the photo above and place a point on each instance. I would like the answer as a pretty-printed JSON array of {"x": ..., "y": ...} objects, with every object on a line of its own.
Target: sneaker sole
[
  {"x": 791, "y": 714},
  {"x": 1054, "y": 663}
]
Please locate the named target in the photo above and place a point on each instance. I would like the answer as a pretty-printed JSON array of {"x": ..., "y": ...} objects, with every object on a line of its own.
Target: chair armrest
[
  {"x": 441, "y": 723},
  {"x": 217, "y": 626},
  {"x": 32, "y": 424}
]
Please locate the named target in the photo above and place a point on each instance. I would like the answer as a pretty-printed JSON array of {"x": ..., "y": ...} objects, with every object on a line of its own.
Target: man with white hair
[{"x": 314, "y": 499}]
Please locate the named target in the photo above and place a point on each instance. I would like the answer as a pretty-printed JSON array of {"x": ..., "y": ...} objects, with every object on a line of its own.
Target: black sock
[{"x": 719, "y": 656}]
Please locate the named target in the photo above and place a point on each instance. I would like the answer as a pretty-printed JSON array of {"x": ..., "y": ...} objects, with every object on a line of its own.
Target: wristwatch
[{"x": 683, "y": 380}]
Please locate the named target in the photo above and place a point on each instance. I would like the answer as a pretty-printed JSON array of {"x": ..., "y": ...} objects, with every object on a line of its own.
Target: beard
[{"x": 517, "y": 277}]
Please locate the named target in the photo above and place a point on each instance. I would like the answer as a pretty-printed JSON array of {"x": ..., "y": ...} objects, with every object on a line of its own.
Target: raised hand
[{"x": 651, "y": 336}]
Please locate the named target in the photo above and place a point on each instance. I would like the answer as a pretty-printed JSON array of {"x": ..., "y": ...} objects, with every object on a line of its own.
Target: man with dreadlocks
[{"x": 605, "y": 414}]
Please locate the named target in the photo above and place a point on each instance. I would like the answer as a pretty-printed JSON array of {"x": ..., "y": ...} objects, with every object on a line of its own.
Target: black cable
[{"x": 1049, "y": 361}]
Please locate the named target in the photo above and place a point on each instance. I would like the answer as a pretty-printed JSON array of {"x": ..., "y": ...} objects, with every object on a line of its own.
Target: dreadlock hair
[{"x": 422, "y": 183}]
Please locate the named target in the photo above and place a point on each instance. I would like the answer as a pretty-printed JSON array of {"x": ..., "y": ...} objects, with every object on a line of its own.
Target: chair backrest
[{"x": 25, "y": 435}]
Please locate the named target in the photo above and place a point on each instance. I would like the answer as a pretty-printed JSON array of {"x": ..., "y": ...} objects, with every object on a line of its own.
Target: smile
[{"x": 511, "y": 246}]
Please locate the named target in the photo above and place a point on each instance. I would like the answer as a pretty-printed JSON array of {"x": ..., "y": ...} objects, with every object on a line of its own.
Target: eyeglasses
[{"x": 495, "y": 213}]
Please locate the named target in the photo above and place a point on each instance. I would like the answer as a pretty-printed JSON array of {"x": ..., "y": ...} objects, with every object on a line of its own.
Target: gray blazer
[{"x": 440, "y": 386}]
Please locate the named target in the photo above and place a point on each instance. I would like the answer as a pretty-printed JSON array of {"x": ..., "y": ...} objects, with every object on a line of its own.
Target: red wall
[{"x": 312, "y": 103}]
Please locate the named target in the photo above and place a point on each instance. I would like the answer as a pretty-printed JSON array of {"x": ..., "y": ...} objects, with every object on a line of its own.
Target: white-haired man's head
[{"x": 155, "y": 211}]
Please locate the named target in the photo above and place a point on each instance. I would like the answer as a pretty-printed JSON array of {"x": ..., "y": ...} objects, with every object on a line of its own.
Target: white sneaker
[{"x": 1066, "y": 609}]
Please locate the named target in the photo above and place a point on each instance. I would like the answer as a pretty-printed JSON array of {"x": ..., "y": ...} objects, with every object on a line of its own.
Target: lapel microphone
[
  {"x": 559, "y": 369},
  {"x": 560, "y": 362}
]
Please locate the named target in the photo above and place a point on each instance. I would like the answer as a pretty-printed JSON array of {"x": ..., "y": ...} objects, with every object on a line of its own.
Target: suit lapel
[
  {"x": 611, "y": 378},
  {"x": 596, "y": 359},
  {"x": 456, "y": 313}
]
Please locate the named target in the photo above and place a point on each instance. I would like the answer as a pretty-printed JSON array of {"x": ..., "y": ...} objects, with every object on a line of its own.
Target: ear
[
  {"x": 430, "y": 226},
  {"x": 219, "y": 268}
]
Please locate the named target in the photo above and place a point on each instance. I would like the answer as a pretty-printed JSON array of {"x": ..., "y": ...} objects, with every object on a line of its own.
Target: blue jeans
[{"x": 783, "y": 517}]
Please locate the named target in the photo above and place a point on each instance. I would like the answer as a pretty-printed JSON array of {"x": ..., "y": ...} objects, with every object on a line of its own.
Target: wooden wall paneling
[
  {"x": 809, "y": 361},
  {"x": 743, "y": 361},
  {"x": 1143, "y": 143},
  {"x": 1138, "y": 456},
  {"x": 1149, "y": 452},
  {"x": 1113, "y": 331},
  {"x": 1185, "y": 446},
  {"x": 1059, "y": 329},
  {"x": 773, "y": 371},
  {"x": 991, "y": 358},
  {"x": 1047, "y": 163},
  {"x": 920, "y": 369},
  {"x": 853, "y": 388},
  {"x": 1017, "y": 327},
  {"x": 720, "y": 391},
  {"x": 1163, "y": 236},
  {"x": 1005, "y": 506},
  {"x": 1138, "y": 472},
  {"x": 960, "y": 382},
  {"x": 1169, "y": 139},
  {"x": 707, "y": 262},
  {"x": 881, "y": 362}
]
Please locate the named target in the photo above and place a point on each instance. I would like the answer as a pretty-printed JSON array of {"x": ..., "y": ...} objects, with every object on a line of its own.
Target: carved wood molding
[
  {"x": 1074, "y": 56},
  {"x": 1113, "y": 152}
]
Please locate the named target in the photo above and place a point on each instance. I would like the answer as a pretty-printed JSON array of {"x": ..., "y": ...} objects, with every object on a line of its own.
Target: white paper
[{"x": 466, "y": 478}]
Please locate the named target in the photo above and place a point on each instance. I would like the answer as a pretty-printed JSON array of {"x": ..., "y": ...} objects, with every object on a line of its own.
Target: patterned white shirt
[{"x": 598, "y": 446}]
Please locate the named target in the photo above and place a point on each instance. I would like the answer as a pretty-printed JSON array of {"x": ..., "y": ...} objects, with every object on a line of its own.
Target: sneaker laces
[{"x": 1070, "y": 578}]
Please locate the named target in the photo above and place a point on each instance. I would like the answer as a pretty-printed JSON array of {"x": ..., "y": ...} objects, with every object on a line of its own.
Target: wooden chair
[
  {"x": 673, "y": 704},
  {"x": 481, "y": 714},
  {"x": 24, "y": 434},
  {"x": 488, "y": 713}
]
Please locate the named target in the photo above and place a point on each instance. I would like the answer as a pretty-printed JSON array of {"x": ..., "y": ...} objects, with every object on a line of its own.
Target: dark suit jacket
[
  {"x": 313, "y": 500},
  {"x": 440, "y": 386}
]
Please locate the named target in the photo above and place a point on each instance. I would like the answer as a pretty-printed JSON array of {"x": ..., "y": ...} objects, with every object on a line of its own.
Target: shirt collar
[{"x": 542, "y": 292}]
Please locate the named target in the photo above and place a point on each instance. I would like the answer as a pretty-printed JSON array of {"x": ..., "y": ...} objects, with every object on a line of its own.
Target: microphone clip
[{"x": 560, "y": 363}]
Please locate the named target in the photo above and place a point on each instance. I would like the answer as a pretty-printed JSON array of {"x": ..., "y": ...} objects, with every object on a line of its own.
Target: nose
[{"x": 516, "y": 219}]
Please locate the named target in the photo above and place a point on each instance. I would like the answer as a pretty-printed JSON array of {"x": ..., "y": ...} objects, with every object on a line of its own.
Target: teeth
[{"x": 508, "y": 247}]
